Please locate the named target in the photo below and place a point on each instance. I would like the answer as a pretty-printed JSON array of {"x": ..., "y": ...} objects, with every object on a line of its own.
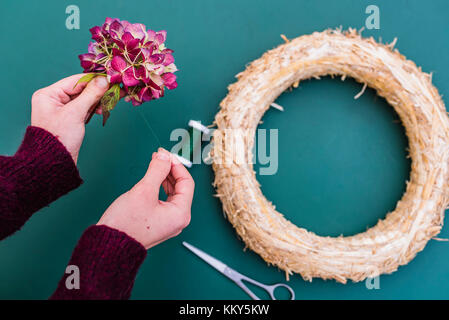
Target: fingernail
[
  {"x": 101, "y": 82},
  {"x": 163, "y": 154}
]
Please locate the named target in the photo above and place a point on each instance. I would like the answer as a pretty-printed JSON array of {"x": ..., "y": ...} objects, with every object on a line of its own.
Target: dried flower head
[{"x": 133, "y": 56}]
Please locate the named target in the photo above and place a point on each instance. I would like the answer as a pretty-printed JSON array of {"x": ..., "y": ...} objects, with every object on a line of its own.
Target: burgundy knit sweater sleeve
[
  {"x": 107, "y": 261},
  {"x": 40, "y": 172}
]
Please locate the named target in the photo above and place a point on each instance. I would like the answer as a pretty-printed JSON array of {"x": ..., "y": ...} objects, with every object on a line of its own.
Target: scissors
[{"x": 237, "y": 277}]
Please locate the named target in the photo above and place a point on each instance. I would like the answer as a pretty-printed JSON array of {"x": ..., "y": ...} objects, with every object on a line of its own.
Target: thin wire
[{"x": 149, "y": 126}]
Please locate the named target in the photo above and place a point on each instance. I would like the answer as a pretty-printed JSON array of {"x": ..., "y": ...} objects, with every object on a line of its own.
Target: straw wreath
[{"x": 418, "y": 216}]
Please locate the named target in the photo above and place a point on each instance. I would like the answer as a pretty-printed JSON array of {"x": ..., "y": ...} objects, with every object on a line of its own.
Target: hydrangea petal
[
  {"x": 93, "y": 48},
  {"x": 129, "y": 41},
  {"x": 161, "y": 36},
  {"x": 119, "y": 43},
  {"x": 129, "y": 79},
  {"x": 168, "y": 59},
  {"x": 137, "y": 30},
  {"x": 169, "y": 80},
  {"x": 155, "y": 81},
  {"x": 96, "y": 33},
  {"x": 116, "y": 30},
  {"x": 145, "y": 94},
  {"x": 135, "y": 102},
  {"x": 141, "y": 73},
  {"x": 127, "y": 37},
  {"x": 116, "y": 52},
  {"x": 87, "y": 61},
  {"x": 156, "y": 93},
  {"x": 151, "y": 34},
  {"x": 134, "y": 54},
  {"x": 156, "y": 58},
  {"x": 118, "y": 63},
  {"x": 114, "y": 76},
  {"x": 170, "y": 68},
  {"x": 125, "y": 24}
]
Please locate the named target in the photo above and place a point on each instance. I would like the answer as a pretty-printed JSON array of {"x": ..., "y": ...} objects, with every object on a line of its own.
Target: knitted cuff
[
  {"x": 41, "y": 171},
  {"x": 108, "y": 261}
]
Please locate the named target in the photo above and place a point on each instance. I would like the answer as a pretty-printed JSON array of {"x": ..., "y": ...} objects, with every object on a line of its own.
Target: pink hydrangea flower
[{"x": 131, "y": 56}]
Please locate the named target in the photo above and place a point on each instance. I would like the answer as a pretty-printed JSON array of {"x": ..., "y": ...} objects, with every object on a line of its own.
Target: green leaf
[
  {"x": 109, "y": 101},
  {"x": 88, "y": 77}
]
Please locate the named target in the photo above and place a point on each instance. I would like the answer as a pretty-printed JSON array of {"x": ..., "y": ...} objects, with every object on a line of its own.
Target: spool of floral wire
[{"x": 190, "y": 150}]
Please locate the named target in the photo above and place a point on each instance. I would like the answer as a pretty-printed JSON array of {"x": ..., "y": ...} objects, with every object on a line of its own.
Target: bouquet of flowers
[{"x": 135, "y": 61}]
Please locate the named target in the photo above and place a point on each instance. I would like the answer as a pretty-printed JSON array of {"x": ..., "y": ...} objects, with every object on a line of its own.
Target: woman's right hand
[{"x": 139, "y": 212}]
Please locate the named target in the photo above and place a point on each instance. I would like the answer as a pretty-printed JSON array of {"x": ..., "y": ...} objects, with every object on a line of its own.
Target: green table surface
[{"x": 342, "y": 162}]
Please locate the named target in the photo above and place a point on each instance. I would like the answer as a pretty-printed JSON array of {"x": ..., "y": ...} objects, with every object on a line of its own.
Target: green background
[{"x": 342, "y": 162}]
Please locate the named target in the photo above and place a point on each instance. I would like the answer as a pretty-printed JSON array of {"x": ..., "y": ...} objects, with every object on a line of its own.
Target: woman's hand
[
  {"x": 62, "y": 108},
  {"x": 139, "y": 212}
]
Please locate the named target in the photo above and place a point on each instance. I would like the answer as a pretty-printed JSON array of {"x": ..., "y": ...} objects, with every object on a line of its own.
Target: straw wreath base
[{"x": 418, "y": 216}]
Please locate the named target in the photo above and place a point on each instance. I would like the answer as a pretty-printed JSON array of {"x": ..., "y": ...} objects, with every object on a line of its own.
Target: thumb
[
  {"x": 158, "y": 171},
  {"x": 93, "y": 92}
]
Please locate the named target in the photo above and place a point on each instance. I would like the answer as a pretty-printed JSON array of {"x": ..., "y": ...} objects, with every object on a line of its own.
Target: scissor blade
[{"x": 217, "y": 264}]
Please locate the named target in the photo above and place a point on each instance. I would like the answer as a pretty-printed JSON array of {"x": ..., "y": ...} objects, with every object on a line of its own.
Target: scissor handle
[
  {"x": 238, "y": 279},
  {"x": 273, "y": 287}
]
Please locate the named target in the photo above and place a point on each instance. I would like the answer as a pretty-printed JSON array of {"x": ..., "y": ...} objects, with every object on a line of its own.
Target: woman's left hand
[{"x": 61, "y": 109}]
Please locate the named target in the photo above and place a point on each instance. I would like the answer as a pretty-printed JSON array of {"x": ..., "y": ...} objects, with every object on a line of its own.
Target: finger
[
  {"x": 184, "y": 184},
  {"x": 64, "y": 90},
  {"x": 168, "y": 188},
  {"x": 97, "y": 109},
  {"x": 90, "y": 96},
  {"x": 169, "y": 183},
  {"x": 158, "y": 171},
  {"x": 165, "y": 186},
  {"x": 170, "y": 178},
  {"x": 68, "y": 84},
  {"x": 90, "y": 113}
]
